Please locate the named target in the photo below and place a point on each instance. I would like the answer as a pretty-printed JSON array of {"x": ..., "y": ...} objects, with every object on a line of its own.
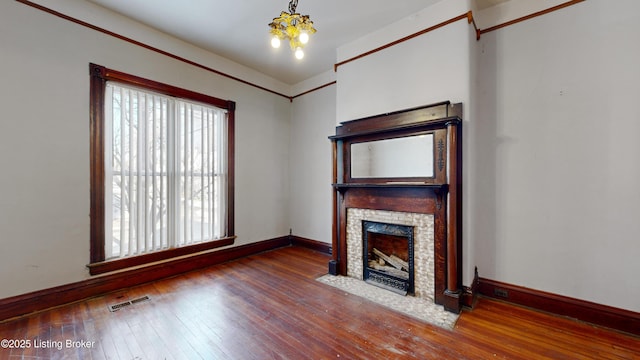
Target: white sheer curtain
[{"x": 165, "y": 172}]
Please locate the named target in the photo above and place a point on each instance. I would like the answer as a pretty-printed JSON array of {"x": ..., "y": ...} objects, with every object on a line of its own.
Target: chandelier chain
[{"x": 293, "y": 4}]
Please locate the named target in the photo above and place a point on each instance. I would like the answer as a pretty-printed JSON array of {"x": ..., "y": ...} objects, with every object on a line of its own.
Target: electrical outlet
[{"x": 501, "y": 292}]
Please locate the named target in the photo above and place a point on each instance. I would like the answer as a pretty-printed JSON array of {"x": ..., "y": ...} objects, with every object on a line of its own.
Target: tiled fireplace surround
[
  {"x": 423, "y": 228},
  {"x": 423, "y": 207}
]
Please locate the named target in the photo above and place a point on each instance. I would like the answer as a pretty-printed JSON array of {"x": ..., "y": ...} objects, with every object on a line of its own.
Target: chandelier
[{"x": 293, "y": 27}]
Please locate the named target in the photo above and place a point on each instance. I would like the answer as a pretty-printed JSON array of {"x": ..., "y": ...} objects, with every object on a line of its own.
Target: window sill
[{"x": 118, "y": 264}]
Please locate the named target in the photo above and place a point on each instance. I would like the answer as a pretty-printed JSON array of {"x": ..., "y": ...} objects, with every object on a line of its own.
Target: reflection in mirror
[{"x": 404, "y": 157}]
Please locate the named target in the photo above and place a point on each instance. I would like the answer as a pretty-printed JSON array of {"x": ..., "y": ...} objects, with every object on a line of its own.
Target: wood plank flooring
[{"x": 269, "y": 306}]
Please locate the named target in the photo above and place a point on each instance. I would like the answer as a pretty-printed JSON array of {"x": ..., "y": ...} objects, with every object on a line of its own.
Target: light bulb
[
  {"x": 304, "y": 37},
  {"x": 299, "y": 53},
  {"x": 275, "y": 42}
]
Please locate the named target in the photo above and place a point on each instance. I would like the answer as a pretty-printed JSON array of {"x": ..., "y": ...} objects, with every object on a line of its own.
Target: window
[{"x": 161, "y": 171}]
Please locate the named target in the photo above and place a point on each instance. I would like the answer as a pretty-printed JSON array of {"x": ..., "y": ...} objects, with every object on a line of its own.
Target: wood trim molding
[
  {"x": 530, "y": 16},
  {"x": 97, "y": 85},
  {"x": 314, "y": 89},
  {"x": 320, "y": 246},
  {"x": 113, "y": 265},
  {"x": 468, "y": 15},
  {"x": 162, "y": 52},
  {"x": 470, "y": 20},
  {"x": 470, "y": 293},
  {"x": 146, "y": 46},
  {"x": 607, "y": 316},
  {"x": 60, "y": 295},
  {"x": 106, "y": 74}
]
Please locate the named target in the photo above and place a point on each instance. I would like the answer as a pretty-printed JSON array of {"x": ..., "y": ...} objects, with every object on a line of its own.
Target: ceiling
[{"x": 238, "y": 30}]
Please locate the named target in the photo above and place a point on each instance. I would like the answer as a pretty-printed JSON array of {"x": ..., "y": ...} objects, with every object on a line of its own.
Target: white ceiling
[{"x": 238, "y": 30}]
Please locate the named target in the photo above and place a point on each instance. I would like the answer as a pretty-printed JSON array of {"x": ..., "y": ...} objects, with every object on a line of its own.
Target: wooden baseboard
[
  {"x": 614, "y": 318},
  {"x": 48, "y": 298},
  {"x": 470, "y": 293},
  {"x": 311, "y": 244}
]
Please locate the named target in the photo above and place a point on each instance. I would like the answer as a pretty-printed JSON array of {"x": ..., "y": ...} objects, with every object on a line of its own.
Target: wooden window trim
[{"x": 99, "y": 76}]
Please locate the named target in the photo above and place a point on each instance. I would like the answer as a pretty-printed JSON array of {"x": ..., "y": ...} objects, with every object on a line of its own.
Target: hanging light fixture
[{"x": 293, "y": 27}]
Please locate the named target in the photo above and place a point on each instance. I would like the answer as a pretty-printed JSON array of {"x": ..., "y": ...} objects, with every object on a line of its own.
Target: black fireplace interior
[{"x": 388, "y": 256}]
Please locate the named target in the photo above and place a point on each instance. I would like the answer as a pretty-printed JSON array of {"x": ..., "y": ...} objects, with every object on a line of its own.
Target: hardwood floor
[{"x": 269, "y": 306}]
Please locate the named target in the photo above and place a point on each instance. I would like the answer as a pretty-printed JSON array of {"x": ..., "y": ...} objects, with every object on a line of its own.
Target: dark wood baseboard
[
  {"x": 470, "y": 293},
  {"x": 311, "y": 244},
  {"x": 48, "y": 298},
  {"x": 607, "y": 316}
]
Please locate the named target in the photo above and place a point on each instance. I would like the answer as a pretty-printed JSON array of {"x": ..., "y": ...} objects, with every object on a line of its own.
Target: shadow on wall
[{"x": 482, "y": 162}]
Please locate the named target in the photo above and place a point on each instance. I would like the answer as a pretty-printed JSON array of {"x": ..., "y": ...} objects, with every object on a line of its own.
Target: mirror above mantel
[
  {"x": 393, "y": 158},
  {"x": 408, "y": 146}
]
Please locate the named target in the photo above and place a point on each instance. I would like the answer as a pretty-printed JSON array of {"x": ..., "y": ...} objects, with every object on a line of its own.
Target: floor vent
[
  {"x": 116, "y": 307},
  {"x": 144, "y": 298}
]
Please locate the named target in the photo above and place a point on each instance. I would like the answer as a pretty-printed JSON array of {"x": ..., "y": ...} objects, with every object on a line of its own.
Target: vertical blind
[{"x": 165, "y": 172}]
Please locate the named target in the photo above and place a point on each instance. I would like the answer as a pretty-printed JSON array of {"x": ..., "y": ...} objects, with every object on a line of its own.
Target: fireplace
[
  {"x": 388, "y": 256},
  {"x": 422, "y": 228},
  {"x": 397, "y": 194}
]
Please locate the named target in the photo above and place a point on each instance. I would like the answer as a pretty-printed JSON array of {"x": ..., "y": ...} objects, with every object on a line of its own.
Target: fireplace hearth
[{"x": 388, "y": 256}]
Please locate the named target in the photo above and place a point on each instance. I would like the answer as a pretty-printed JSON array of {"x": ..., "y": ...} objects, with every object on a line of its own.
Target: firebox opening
[{"x": 388, "y": 256}]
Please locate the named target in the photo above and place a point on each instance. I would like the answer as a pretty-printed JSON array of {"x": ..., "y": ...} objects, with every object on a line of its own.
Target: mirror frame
[{"x": 433, "y": 119}]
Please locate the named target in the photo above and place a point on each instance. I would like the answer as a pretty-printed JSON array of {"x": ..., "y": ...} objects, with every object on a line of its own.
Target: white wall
[
  {"x": 556, "y": 205},
  {"x": 426, "y": 69},
  {"x": 312, "y": 122},
  {"x": 511, "y": 10},
  {"x": 44, "y": 141}
]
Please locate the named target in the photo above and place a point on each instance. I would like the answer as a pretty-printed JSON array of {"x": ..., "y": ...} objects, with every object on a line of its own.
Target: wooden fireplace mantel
[
  {"x": 439, "y": 193},
  {"x": 399, "y": 185}
]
